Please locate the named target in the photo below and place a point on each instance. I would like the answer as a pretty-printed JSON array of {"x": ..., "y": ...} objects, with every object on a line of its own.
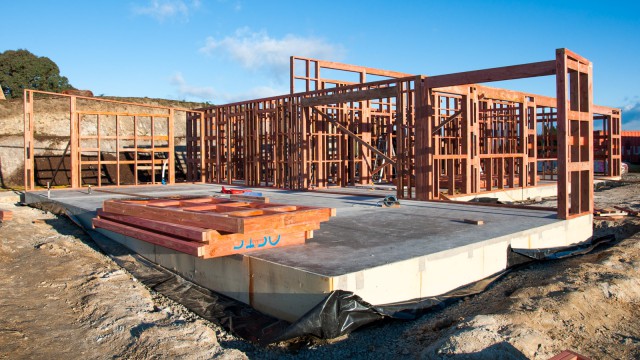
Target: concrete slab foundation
[{"x": 382, "y": 254}]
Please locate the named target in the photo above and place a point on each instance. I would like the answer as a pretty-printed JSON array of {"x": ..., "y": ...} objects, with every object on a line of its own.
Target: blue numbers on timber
[{"x": 251, "y": 245}]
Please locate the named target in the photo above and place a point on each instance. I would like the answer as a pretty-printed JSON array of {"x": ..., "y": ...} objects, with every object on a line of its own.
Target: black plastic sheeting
[
  {"x": 340, "y": 313},
  {"x": 564, "y": 251}
]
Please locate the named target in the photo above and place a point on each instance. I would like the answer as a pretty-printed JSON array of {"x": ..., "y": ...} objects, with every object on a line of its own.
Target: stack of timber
[
  {"x": 210, "y": 227},
  {"x": 609, "y": 214},
  {"x": 6, "y": 215}
]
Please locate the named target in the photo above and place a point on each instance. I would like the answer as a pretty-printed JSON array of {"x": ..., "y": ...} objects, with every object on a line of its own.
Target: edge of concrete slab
[{"x": 288, "y": 293}]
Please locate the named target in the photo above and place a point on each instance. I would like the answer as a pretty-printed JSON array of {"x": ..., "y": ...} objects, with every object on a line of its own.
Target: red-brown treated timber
[
  {"x": 343, "y": 97},
  {"x": 6, "y": 215},
  {"x": 242, "y": 243},
  {"x": 446, "y": 121},
  {"x": 352, "y": 135},
  {"x": 187, "y": 247},
  {"x": 542, "y": 68},
  {"x": 569, "y": 355},
  {"x": 354, "y": 68},
  {"x": 261, "y": 216},
  {"x": 188, "y": 232},
  {"x": 603, "y": 110},
  {"x": 193, "y": 233}
]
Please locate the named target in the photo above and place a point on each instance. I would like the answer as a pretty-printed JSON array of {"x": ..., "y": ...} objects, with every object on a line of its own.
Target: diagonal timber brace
[
  {"x": 446, "y": 121},
  {"x": 352, "y": 135}
]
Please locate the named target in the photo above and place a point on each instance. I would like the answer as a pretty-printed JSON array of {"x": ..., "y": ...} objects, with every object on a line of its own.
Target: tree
[{"x": 20, "y": 69}]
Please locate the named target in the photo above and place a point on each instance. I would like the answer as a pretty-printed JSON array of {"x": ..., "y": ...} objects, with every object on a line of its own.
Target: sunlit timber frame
[
  {"x": 431, "y": 136},
  {"x": 141, "y": 138}
]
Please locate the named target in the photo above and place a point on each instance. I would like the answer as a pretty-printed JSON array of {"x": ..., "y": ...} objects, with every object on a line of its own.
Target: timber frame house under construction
[{"x": 427, "y": 135}]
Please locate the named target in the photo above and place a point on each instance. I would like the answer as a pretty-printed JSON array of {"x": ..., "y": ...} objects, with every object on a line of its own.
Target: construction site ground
[{"x": 63, "y": 298}]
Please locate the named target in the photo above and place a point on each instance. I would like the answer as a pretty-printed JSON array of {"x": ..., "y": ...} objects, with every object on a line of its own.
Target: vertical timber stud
[
  {"x": 203, "y": 132},
  {"x": 73, "y": 137},
  {"x": 29, "y": 176},
  {"x": 172, "y": 150},
  {"x": 423, "y": 140},
  {"x": 475, "y": 139},
  {"x": 466, "y": 133},
  {"x": 400, "y": 159},
  {"x": 561, "y": 93},
  {"x": 575, "y": 134},
  {"x": 228, "y": 155},
  {"x": 420, "y": 134}
]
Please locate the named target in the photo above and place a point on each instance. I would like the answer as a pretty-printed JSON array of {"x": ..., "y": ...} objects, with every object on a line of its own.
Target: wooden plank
[
  {"x": 171, "y": 148},
  {"x": 215, "y": 236},
  {"x": 351, "y": 96},
  {"x": 187, "y": 247},
  {"x": 247, "y": 243},
  {"x": 216, "y": 222},
  {"x": 6, "y": 215},
  {"x": 604, "y": 110},
  {"x": 75, "y": 159},
  {"x": 569, "y": 355},
  {"x": 627, "y": 210},
  {"x": 187, "y": 232},
  {"x": 512, "y": 72},
  {"x": 473, "y": 221},
  {"x": 351, "y": 68},
  {"x": 562, "y": 137},
  {"x": 235, "y": 221}
]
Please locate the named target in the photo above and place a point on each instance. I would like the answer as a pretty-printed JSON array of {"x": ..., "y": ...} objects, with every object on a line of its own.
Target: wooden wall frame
[
  {"x": 92, "y": 130},
  {"x": 425, "y": 134}
]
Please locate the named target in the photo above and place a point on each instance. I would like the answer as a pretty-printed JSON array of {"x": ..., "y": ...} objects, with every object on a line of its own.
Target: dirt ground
[{"x": 62, "y": 298}]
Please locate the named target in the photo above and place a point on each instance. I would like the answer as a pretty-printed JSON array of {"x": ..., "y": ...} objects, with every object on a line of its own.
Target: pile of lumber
[
  {"x": 6, "y": 215},
  {"x": 210, "y": 227},
  {"x": 609, "y": 214}
]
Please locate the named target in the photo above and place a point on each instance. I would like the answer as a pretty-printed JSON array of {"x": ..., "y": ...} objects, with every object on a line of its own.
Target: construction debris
[
  {"x": 389, "y": 202},
  {"x": 609, "y": 214},
  {"x": 569, "y": 355},
  {"x": 6, "y": 215},
  {"x": 474, "y": 222},
  {"x": 627, "y": 210},
  {"x": 210, "y": 227}
]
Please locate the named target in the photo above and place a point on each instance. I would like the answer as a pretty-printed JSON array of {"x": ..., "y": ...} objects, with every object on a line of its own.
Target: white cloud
[
  {"x": 255, "y": 50},
  {"x": 167, "y": 9},
  {"x": 184, "y": 89}
]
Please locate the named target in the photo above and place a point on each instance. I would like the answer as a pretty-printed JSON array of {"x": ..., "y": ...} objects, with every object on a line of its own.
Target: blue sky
[{"x": 228, "y": 50}]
